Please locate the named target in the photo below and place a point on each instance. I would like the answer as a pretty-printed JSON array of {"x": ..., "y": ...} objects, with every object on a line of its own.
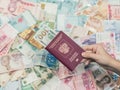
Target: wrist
[{"x": 114, "y": 63}]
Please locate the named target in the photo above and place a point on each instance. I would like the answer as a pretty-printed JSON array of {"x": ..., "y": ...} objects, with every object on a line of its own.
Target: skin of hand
[{"x": 98, "y": 54}]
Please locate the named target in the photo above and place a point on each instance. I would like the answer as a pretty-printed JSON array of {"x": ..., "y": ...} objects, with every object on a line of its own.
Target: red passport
[{"x": 65, "y": 50}]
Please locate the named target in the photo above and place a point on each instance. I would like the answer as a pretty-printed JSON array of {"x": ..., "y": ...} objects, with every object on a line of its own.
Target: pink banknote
[
  {"x": 7, "y": 34},
  {"x": 114, "y": 12},
  {"x": 85, "y": 81}
]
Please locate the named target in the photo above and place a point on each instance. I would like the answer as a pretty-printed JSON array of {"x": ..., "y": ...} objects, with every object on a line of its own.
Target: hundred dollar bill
[
  {"x": 11, "y": 62},
  {"x": 44, "y": 36},
  {"x": 22, "y": 21},
  {"x": 44, "y": 58},
  {"x": 7, "y": 34}
]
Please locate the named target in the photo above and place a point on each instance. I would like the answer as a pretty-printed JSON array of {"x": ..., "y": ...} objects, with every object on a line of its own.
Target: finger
[
  {"x": 83, "y": 60},
  {"x": 87, "y": 62},
  {"x": 89, "y": 55},
  {"x": 89, "y": 47}
]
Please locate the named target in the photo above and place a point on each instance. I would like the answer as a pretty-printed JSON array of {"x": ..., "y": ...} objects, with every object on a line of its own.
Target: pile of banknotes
[{"x": 28, "y": 26}]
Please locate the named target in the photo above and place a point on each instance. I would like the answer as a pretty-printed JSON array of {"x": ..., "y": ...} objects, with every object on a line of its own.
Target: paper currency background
[{"x": 27, "y": 26}]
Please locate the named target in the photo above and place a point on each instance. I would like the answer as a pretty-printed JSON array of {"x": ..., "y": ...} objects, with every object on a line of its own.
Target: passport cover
[{"x": 65, "y": 50}]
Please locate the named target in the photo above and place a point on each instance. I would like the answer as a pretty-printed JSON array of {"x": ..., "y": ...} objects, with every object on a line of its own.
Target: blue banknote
[
  {"x": 111, "y": 25},
  {"x": 44, "y": 58}
]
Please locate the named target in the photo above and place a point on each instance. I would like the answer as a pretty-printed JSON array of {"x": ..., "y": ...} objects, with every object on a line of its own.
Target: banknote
[
  {"x": 44, "y": 58},
  {"x": 17, "y": 7},
  {"x": 81, "y": 6},
  {"x": 1, "y": 88},
  {"x": 35, "y": 43},
  {"x": 102, "y": 79},
  {"x": 44, "y": 36},
  {"x": 105, "y": 36},
  {"x": 65, "y": 22},
  {"x": 95, "y": 24},
  {"x": 75, "y": 20},
  {"x": 16, "y": 85},
  {"x": 31, "y": 77},
  {"x": 63, "y": 72},
  {"x": 92, "y": 8},
  {"x": 67, "y": 7},
  {"x": 4, "y": 78},
  {"x": 16, "y": 75},
  {"x": 27, "y": 87},
  {"x": 77, "y": 32},
  {"x": 3, "y": 20},
  {"x": 22, "y": 21},
  {"x": 55, "y": 84},
  {"x": 101, "y": 7},
  {"x": 7, "y": 34},
  {"x": 86, "y": 40},
  {"x": 11, "y": 62},
  {"x": 27, "y": 49},
  {"x": 37, "y": 74},
  {"x": 116, "y": 2},
  {"x": 5, "y": 50},
  {"x": 113, "y": 11},
  {"x": 117, "y": 42},
  {"x": 17, "y": 41},
  {"x": 85, "y": 81},
  {"x": 46, "y": 11},
  {"x": 28, "y": 35},
  {"x": 110, "y": 48},
  {"x": 111, "y": 25}
]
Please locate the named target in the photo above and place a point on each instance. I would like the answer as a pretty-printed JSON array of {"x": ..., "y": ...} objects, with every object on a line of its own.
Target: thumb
[{"x": 90, "y": 55}]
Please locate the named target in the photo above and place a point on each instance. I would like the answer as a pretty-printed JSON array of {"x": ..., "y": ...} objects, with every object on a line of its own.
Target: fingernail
[{"x": 83, "y": 54}]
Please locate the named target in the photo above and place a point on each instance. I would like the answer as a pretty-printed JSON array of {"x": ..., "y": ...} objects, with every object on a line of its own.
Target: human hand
[{"x": 98, "y": 54}]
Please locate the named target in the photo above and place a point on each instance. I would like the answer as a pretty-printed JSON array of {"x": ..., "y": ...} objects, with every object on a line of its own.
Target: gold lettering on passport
[
  {"x": 73, "y": 56},
  {"x": 64, "y": 48}
]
